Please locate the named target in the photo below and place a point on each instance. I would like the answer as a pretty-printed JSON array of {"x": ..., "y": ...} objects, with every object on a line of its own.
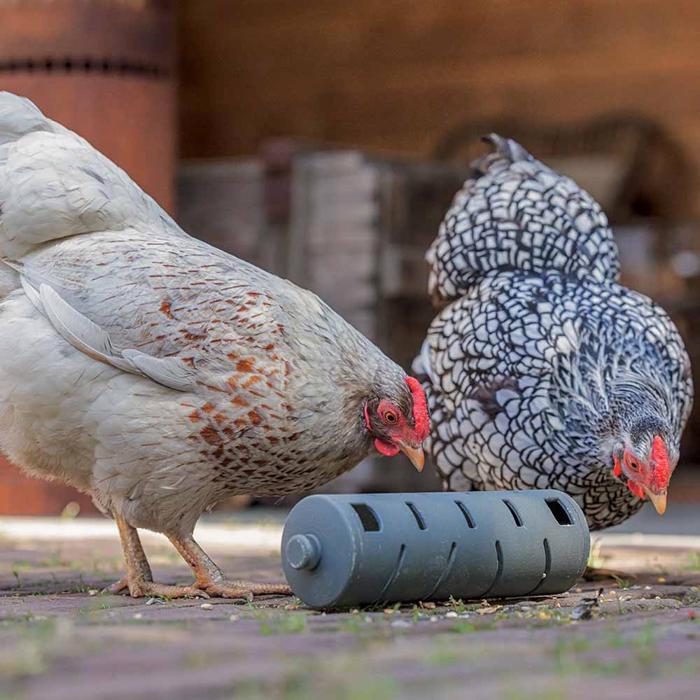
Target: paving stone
[{"x": 60, "y": 641}]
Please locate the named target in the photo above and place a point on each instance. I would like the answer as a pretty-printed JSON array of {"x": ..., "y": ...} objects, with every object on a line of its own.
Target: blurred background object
[
  {"x": 324, "y": 140},
  {"x": 104, "y": 68}
]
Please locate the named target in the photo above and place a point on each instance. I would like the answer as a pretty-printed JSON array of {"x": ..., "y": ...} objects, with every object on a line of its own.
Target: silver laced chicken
[{"x": 541, "y": 370}]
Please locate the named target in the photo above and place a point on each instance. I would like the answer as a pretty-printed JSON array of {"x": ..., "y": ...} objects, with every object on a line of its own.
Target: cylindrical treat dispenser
[{"x": 345, "y": 550}]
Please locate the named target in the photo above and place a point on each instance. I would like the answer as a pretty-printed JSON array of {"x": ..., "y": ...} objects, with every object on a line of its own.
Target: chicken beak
[
  {"x": 658, "y": 500},
  {"x": 415, "y": 454}
]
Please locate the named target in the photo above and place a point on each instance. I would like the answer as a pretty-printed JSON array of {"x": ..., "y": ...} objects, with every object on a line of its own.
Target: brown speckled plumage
[{"x": 158, "y": 373}]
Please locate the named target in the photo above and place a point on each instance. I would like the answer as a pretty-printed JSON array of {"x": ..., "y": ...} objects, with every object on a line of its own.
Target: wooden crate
[
  {"x": 358, "y": 232},
  {"x": 222, "y": 203}
]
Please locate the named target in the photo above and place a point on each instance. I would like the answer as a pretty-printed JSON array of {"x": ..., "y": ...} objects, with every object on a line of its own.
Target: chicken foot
[
  {"x": 211, "y": 580},
  {"x": 134, "y": 556},
  {"x": 139, "y": 579}
]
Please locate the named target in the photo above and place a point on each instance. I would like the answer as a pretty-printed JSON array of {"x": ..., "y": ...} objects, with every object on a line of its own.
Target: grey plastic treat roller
[{"x": 345, "y": 550}]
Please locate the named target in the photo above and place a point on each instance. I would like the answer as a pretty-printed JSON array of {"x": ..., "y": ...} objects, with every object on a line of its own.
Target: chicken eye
[
  {"x": 390, "y": 417},
  {"x": 632, "y": 465}
]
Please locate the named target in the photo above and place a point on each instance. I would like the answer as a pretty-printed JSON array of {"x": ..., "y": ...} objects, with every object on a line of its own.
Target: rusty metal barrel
[
  {"x": 104, "y": 68},
  {"x": 340, "y": 551}
]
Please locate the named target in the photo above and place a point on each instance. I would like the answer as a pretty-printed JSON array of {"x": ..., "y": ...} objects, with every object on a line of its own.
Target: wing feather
[
  {"x": 75, "y": 327},
  {"x": 168, "y": 371},
  {"x": 89, "y": 338}
]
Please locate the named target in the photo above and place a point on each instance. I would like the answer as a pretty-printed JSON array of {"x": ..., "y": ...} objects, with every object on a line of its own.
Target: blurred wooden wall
[{"x": 396, "y": 75}]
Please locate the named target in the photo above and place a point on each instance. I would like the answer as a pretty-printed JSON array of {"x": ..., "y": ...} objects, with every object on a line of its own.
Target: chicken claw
[
  {"x": 117, "y": 587},
  {"x": 244, "y": 590},
  {"x": 211, "y": 579},
  {"x": 143, "y": 589}
]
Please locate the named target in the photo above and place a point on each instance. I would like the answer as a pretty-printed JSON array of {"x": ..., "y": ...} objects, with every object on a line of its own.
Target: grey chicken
[
  {"x": 542, "y": 371},
  {"x": 159, "y": 374}
]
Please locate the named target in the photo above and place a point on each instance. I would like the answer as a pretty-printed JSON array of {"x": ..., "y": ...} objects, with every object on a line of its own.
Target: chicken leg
[
  {"x": 210, "y": 578},
  {"x": 139, "y": 579}
]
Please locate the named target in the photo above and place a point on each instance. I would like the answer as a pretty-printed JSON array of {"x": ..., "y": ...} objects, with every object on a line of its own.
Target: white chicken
[{"x": 159, "y": 374}]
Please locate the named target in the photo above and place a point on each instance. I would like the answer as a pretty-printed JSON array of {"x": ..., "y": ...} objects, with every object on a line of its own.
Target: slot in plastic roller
[{"x": 340, "y": 551}]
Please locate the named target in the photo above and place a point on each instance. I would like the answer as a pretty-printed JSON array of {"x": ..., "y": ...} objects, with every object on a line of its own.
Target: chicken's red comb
[
  {"x": 661, "y": 468},
  {"x": 420, "y": 408}
]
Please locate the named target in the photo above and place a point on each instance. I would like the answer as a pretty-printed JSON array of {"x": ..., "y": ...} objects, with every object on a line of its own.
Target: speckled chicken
[
  {"x": 159, "y": 374},
  {"x": 542, "y": 371}
]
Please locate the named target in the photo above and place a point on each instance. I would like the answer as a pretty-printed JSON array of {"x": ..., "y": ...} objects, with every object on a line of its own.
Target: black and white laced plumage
[{"x": 543, "y": 371}]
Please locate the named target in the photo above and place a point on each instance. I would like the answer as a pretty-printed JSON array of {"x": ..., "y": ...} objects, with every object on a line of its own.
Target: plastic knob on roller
[
  {"x": 345, "y": 550},
  {"x": 303, "y": 552}
]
